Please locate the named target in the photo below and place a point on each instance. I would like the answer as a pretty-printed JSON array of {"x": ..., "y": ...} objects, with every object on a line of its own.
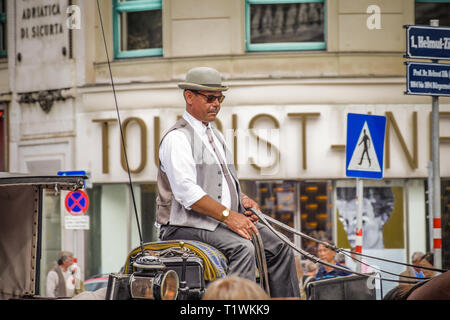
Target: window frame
[
  {"x": 4, "y": 152},
  {"x": 437, "y": 1},
  {"x": 427, "y": 1},
  {"x": 3, "y": 34},
  {"x": 120, "y": 7},
  {"x": 283, "y": 46}
]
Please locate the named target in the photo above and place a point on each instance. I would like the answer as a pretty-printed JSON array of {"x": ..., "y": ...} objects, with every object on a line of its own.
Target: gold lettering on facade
[
  {"x": 143, "y": 129},
  {"x": 234, "y": 125},
  {"x": 218, "y": 124},
  {"x": 412, "y": 160},
  {"x": 105, "y": 142},
  {"x": 411, "y": 156},
  {"x": 304, "y": 116},
  {"x": 260, "y": 140},
  {"x": 441, "y": 139},
  {"x": 157, "y": 138}
]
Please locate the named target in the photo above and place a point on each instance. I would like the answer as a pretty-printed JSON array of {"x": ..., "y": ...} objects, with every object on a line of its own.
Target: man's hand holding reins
[
  {"x": 250, "y": 203},
  {"x": 241, "y": 224}
]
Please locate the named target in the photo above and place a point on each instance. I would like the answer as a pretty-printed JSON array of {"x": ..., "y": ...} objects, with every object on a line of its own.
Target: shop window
[
  {"x": 113, "y": 229},
  {"x": 149, "y": 193},
  {"x": 445, "y": 224},
  {"x": 427, "y": 10},
  {"x": 3, "y": 142},
  {"x": 382, "y": 217},
  {"x": 285, "y": 25},
  {"x": 3, "y": 37},
  {"x": 277, "y": 199},
  {"x": 315, "y": 208},
  {"x": 93, "y": 265},
  {"x": 137, "y": 28},
  {"x": 51, "y": 242},
  {"x": 305, "y": 206}
]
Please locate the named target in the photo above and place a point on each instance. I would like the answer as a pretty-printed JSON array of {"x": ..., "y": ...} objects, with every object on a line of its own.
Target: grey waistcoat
[
  {"x": 209, "y": 178},
  {"x": 60, "y": 290}
]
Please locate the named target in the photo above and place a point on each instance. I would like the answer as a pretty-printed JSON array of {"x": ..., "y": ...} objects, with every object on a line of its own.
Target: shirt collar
[{"x": 196, "y": 124}]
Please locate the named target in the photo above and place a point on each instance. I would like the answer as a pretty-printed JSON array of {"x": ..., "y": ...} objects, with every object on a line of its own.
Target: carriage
[
  {"x": 167, "y": 270},
  {"x": 170, "y": 269}
]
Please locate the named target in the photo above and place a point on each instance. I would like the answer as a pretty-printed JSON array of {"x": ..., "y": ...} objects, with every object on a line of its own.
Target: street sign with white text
[
  {"x": 427, "y": 42},
  {"x": 430, "y": 79}
]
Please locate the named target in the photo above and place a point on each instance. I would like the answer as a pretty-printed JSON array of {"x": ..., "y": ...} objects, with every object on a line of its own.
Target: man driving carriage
[{"x": 199, "y": 196}]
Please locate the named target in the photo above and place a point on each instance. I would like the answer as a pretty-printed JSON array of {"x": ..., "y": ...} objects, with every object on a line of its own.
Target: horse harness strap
[
  {"x": 261, "y": 262},
  {"x": 262, "y": 219}
]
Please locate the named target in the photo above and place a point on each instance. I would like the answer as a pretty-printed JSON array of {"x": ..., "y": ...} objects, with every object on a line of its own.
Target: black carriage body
[
  {"x": 192, "y": 286},
  {"x": 21, "y": 230},
  {"x": 353, "y": 287},
  {"x": 195, "y": 281}
]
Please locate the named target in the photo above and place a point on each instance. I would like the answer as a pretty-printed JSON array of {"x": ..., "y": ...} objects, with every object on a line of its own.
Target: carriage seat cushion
[{"x": 215, "y": 263}]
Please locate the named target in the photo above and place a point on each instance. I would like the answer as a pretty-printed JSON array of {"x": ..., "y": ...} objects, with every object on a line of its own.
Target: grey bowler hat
[{"x": 203, "y": 78}]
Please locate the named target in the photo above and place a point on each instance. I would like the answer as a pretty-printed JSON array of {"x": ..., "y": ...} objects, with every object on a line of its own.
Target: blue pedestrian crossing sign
[{"x": 365, "y": 146}]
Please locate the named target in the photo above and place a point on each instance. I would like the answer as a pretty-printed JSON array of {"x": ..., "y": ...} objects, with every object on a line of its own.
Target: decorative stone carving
[{"x": 45, "y": 98}]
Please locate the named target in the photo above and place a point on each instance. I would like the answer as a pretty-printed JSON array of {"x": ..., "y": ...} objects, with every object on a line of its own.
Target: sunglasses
[{"x": 210, "y": 98}]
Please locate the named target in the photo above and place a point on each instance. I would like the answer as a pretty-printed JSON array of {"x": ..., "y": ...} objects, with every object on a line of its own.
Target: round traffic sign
[{"x": 77, "y": 202}]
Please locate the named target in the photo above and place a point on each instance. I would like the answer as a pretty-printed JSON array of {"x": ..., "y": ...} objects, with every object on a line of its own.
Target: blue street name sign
[
  {"x": 430, "y": 79},
  {"x": 427, "y": 42},
  {"x": 73, "y": 173},
  {"x": 365, "y": 146}
]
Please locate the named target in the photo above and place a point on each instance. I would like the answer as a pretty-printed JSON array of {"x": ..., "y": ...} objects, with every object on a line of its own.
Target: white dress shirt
[
  {"x": 53, "y": 281},
  {"x": 177, "y": 162}
]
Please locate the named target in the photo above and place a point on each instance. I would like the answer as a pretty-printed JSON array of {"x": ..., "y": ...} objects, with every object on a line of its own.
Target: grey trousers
[{"x": 240, "y": 253}]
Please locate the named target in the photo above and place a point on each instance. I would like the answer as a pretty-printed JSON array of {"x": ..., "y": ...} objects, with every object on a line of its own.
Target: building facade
[{"x": 295, "y": 69}]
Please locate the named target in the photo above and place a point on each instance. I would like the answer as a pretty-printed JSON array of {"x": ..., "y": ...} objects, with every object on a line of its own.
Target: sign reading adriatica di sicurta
[{"x": 43, "y": 49}]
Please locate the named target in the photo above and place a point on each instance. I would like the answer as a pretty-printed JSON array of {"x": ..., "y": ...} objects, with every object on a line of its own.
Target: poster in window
[{"x": 382, "y": 218}]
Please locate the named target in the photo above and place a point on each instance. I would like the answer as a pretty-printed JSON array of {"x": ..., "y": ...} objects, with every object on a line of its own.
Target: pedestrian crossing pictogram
[
  {"x": 365, "y": 145},
  {"x": 364, "y": 157}
]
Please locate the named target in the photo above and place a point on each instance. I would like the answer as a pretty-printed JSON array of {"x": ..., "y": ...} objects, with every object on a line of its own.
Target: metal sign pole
[
  {"x": 364, "y": 160},
  {"x": 436, "y": 182},
  {"x": 430, "y": 205},
  {"x": 359, "y": 231},
  {"x": 436, "y": 177}
]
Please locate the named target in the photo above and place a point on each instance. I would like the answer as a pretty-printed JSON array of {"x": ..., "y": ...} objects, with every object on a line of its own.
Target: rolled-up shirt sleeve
[
  {"x": 178, "y": 163},
  {"x": 52, "y": 280}
]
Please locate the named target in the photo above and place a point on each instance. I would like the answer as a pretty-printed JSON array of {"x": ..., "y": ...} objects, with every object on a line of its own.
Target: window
[
  {"x": 3, "y": 139},
  {"x": 303, "y": 205},
  {"x": 113, "y": 231},
  {"x": 3, "y": 37},
  {"x": 445, "y": 214},
  {"x": 427, "y": 10},
  {"x": 285, "y": 25},
  {"x": 137, "y": 28}
]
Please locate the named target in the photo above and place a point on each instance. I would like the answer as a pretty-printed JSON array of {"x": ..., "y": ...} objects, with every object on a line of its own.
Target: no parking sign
[{"x": 77, "y": 202}]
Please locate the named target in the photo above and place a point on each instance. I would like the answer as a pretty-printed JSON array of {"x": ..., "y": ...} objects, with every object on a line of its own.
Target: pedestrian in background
[
  {"x": 58, "y": 277},
  {"x": 418, "y": 259},
  {"x": 328, "y": 256},
  {"x": 310, "y": 269},
  {"x": 74, "y": 282}
]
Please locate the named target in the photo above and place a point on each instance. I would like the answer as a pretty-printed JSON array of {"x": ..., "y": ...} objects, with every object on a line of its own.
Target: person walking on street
[{"x": 57, "y": 277}]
